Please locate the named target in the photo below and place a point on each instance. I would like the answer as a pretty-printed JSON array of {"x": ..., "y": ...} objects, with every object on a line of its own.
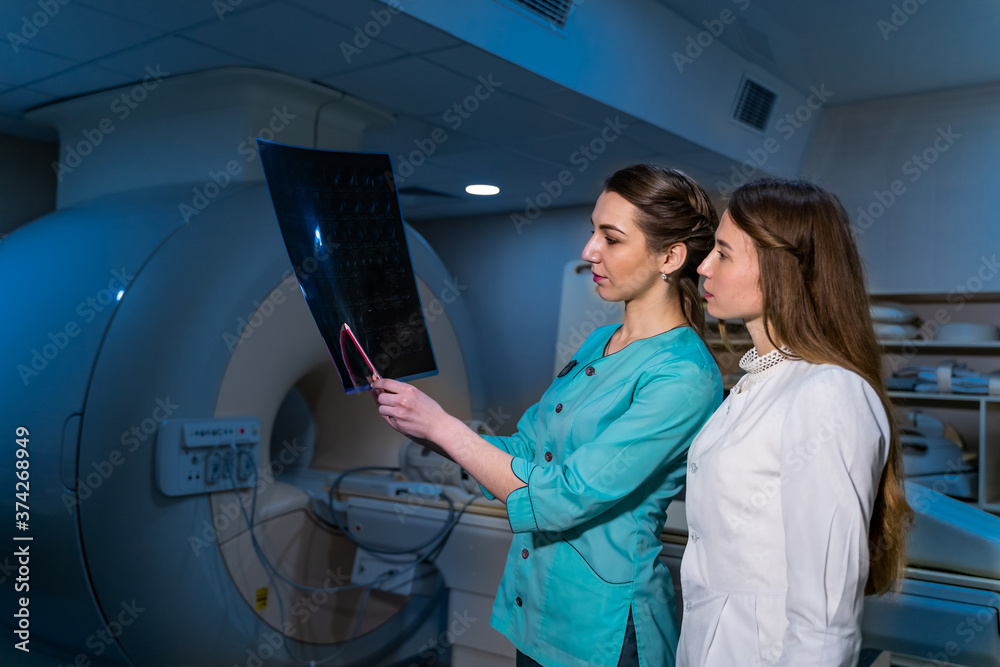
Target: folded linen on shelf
[
  {"x": 887, "y": 331},
  {"x": 895, "y": 313},
  {"x": 949, "y": 377}
]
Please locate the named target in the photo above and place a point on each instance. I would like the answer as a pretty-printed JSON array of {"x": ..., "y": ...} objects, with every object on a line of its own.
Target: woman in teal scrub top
[{"x": 590, "y": 471}]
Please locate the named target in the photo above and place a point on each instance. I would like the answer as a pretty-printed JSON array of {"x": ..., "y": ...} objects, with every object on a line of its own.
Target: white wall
[
  {"x": 940, "y": 230},
  {"x": 27, "y": 181},
  {"x": 514, "y": 281}
]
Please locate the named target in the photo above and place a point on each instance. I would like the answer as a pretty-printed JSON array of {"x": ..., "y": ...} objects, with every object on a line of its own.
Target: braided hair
[{"x": 672, "y": 208}]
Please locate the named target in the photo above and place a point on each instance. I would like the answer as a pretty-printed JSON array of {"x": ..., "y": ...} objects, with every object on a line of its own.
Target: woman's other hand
[{"x": 407, "y": 409}]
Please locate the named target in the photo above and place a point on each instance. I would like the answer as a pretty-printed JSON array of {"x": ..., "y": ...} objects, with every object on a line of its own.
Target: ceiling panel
[
  {"x": 383, "y": 22},
  {"x": 473, "y": 62},
  {"x": 425, "y": 208},
  {"x": 173, "y": 54},
  {"x": 70, "y": 33},
  {"x": 173, "y": 15},
  {"x": 660, "y": 140},
  {"x": 411, "y": 86},
  {"x": 15, "y": 102},
  {"x": 709, "y": 161},
  {"x": 26, "y": 65},
  {"x": 700, "y": 175},
  {"x": 19, "y": 17},
  {"x": 80, "y": 80},
  {"x": 521, "y": 180},
  {"x": 434, "y": 210},
  {"x": 430, "y": 176},
  {"x": 579, "y": 107},
  {"x": 582, "y": 151},
  {"x": 411, "y": 134},
  {"x": 494, "y": 167},
  {"x": 502, "y": 118},
  {"x": 288, "y": 39}
]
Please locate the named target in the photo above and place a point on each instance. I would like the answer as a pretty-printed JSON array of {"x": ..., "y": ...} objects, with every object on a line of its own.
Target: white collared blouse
[{"x": 780, "y": 487}]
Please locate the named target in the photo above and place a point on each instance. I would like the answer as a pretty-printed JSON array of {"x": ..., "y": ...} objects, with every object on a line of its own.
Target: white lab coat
[{"x": 780, "y": 486}]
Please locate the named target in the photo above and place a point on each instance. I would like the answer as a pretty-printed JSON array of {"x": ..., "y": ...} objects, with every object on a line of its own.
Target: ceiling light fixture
[{"x": 482, "y": 189}]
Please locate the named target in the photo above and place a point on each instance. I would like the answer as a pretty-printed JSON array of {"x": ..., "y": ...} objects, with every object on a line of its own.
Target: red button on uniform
[
  {"x": 559, "y": 408},
  {"x": 524, "y": 553},
  {"x": 548, "y": 456},
  {"x": 518, "y": 601},
  {"x": 590, "y": 370}
]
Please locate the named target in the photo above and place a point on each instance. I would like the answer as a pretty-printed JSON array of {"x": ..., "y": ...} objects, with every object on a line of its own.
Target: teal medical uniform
[{"x": 602, "y": 454}]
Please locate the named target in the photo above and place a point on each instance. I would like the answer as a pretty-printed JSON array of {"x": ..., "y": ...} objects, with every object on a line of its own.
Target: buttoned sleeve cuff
[
  {"x": 499, "y": 443},
  {"x": 520, "y": 512}
]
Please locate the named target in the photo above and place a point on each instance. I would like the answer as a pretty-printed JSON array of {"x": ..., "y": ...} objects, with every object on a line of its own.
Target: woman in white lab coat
[{"x": 795, "y": 502}]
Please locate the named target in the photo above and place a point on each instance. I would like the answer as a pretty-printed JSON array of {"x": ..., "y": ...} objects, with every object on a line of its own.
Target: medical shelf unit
[{"x": 976, "y": 417}]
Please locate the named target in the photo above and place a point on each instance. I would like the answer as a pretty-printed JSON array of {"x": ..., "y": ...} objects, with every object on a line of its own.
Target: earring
[{"x": 664, "y": 276}]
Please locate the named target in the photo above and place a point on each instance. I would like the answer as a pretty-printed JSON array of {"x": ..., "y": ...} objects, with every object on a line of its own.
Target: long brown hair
[
  {"x": 672, "y": 209},
  {"x": 815, "y": 302}
]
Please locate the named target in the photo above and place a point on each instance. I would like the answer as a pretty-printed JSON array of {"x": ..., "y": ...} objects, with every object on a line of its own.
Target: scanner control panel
[{"x": 205, "y": 455}]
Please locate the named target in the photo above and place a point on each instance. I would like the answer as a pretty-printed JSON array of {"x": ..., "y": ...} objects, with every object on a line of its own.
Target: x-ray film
[{"x": 343, "y": 230}]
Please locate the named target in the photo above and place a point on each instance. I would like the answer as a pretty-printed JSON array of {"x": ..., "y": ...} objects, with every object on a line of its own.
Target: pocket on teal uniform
[{"x": 580, "y": 607}]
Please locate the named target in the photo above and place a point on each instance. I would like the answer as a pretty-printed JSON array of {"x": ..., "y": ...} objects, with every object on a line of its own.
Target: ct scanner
[{"x": 132, "y": 321}]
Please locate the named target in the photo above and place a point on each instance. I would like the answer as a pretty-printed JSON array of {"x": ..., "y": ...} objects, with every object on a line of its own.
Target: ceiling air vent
[
  {"x": 754, "y": 105},
  {"x": 555, "y": 12}
]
